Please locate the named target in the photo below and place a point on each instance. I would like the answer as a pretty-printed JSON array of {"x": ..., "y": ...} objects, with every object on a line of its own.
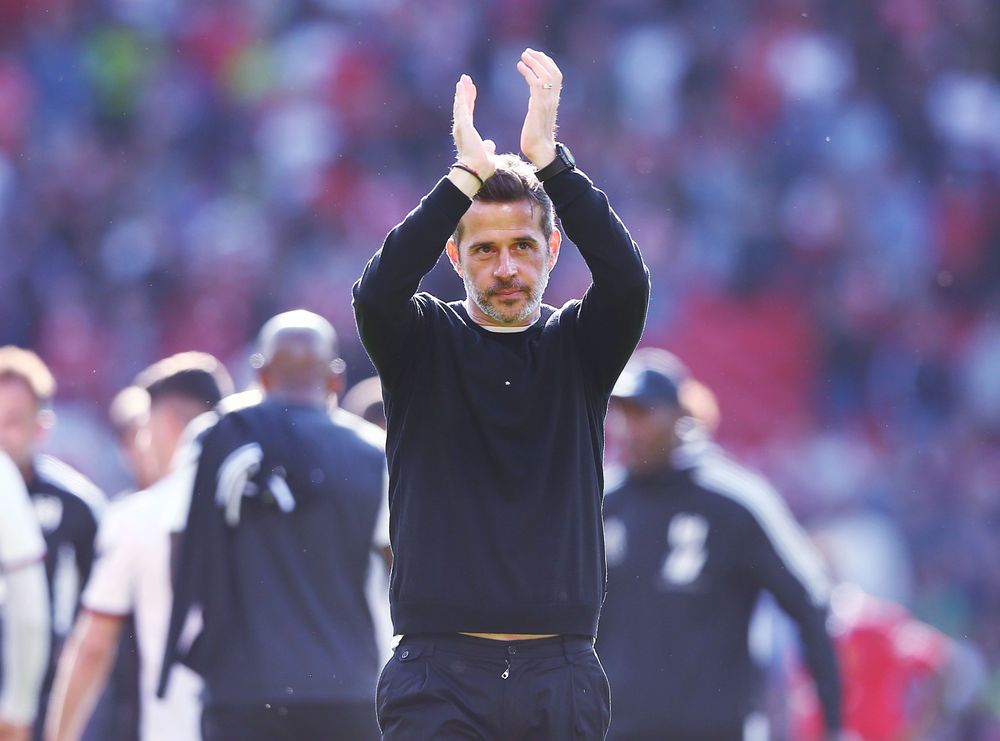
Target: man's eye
[{"x": 524, "y": 245}]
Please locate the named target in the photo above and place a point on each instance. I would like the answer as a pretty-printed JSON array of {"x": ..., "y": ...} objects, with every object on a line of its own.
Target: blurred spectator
[{"x": 365, "y": 400}]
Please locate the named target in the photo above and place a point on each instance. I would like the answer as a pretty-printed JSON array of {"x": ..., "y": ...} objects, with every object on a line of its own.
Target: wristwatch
[{"x": 564, "y": 161}]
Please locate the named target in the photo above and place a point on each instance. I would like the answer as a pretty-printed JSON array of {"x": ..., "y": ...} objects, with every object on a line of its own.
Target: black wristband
[{"x": 476, "y": 175}]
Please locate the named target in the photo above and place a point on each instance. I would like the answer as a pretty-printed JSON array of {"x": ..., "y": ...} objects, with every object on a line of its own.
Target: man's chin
[{"x": 507, "y": 311}]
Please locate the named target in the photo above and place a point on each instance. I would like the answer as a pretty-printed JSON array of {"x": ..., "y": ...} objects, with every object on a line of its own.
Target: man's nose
[{"x": 506, "y": 265}]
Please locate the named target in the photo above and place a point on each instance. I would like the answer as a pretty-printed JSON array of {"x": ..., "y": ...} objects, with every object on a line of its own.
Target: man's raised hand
[
  {"x": 538, "y": 135},
  {"x": 471, "y": 149}
]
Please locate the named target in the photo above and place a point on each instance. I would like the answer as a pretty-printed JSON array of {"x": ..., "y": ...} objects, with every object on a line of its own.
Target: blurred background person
[
  {"x": 283, "y": 553},
  {"x": 129, "y": 417},
  {"x": 116, "y": 717},
  {"x": 24, "y": 607},
  {"x": 132, "y": 575},
  {"x": 67, "y": 505},
  {"x": 902, "y": 679},
  {"x": 364, "y": 399},
  {"x": 693, "y": 540}
]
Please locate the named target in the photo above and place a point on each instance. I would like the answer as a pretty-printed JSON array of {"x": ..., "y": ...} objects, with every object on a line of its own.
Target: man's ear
[
  {"x": 555, "y": 242},
  {"x": 452, "y": 249}
]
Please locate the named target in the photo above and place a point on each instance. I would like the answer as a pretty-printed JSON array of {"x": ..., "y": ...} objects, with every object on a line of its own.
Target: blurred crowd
[{"x": 815, "y": 185}]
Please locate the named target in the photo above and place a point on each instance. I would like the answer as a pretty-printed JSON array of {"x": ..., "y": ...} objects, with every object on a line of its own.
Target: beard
[{"x": 532, "y": 300}]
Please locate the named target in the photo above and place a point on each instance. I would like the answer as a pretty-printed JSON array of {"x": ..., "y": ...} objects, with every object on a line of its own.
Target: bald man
[{"x": 281, "y": 553}]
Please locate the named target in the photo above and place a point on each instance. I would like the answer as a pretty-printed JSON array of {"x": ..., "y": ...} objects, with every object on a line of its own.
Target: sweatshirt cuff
[
  {"x": 447, "y": 201},
  {"x": 566, "y": 187}
]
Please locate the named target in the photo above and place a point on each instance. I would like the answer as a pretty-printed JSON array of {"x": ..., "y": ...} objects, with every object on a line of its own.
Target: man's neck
[{"x": 303, "y": 397}]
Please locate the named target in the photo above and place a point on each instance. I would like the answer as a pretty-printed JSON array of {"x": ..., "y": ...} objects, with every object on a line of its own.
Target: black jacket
[
  {"x": 276, "y": 554},
  {"x": 690, "y": 549}
]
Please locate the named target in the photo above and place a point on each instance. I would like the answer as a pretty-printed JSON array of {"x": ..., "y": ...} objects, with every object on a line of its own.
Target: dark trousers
[
  {"x": 446, "y": 687},
  {"x": 296, "y": 721}
]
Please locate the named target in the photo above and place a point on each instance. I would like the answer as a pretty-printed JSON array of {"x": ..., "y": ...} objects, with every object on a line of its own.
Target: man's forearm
[
  {"x": 81, "y": 676},
  {"x": 26, "y": 638},
  {"x": 822, "y": 662},
  {"x": 605, "y": 244},
  {"x": 411, "y": 250}
]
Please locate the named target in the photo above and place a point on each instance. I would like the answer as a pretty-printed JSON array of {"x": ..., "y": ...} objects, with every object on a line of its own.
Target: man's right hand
[{"x": 472, "y": 150}]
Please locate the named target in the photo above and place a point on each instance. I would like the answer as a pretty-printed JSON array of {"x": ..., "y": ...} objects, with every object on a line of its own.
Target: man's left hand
[{"x": 538, "y": 135}]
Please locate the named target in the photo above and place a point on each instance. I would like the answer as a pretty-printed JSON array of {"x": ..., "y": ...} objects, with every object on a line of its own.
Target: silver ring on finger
[{"x": 548, "y": 86}]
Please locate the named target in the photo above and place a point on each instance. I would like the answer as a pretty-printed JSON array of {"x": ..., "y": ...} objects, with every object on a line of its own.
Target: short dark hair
[
  {"x": 196, "y": 376},
  {"x": 25, "y": 365},
  {"x": 514, "y": 180}
]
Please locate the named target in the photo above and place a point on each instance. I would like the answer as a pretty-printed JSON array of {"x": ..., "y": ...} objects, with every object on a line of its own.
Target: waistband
[{"x": 531, "y": 648}]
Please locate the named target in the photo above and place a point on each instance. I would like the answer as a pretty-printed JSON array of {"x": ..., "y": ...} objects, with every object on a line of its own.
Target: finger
[
  {"x": 491, "y": 146},
  {"x": 531, "y": 62},
  {"x": 464, "y": 99},
  {"x": 459, "y": 103},
  {"x": 473, "y": 92},
  {"x": 549, "y": 65},
  {"x": 530, "y": 77}
]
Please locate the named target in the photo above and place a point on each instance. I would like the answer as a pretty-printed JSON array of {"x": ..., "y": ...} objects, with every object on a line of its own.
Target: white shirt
[
  {"x": 132, "y": 575},
  {"x": 21, "y": 541}
]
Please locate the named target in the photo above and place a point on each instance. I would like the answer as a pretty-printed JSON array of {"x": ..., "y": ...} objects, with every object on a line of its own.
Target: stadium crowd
[{"x": 814, "y": 184}]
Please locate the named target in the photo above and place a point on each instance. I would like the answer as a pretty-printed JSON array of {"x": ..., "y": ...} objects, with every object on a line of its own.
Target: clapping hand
[
  {"x": 473, "y": 152},
  {"x": 538, "y": 135}
]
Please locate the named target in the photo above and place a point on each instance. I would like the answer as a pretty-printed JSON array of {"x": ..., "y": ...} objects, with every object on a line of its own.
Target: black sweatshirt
[
  {"x": 690, "y": 548},
  {"x": 496, "y": 441}
]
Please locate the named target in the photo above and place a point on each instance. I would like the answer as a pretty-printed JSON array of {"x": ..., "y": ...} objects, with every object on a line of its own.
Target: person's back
[
  {"x": 286, "y": 528},
  {"x": 299, "y": 626}
]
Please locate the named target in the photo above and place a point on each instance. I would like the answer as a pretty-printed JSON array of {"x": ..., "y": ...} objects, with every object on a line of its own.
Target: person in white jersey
[
  {"x": 25, "y": 606},
  {"x": 132, "y": 573}
]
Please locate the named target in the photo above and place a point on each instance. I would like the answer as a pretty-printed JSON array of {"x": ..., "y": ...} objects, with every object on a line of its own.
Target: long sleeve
[
  {"x": 384, "y": 304},
  {"x": 25, "y": 641},
  {"x": 613, "y": 311},
  {"x": 780, "y": 558}
]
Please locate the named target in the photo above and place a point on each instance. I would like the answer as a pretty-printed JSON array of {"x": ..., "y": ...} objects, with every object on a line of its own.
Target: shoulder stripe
[
  {"x": 759, "y": 498},
  {"x": 67, "y": 478}
]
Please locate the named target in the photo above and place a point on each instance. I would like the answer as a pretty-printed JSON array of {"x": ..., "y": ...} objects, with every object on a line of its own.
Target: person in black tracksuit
[
  {"x": 495, "y": 408},
  {"x": 281, "y": 544},
  {"x": 692, "y": 541}
]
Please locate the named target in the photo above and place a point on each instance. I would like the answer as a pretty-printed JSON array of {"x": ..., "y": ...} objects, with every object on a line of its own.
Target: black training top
[
  {"x": 277, "y": 553},
  {"x": 67, "y": 505},
  {"x": 690, "y": 549},
  {"x": 496, "y": 441}
]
